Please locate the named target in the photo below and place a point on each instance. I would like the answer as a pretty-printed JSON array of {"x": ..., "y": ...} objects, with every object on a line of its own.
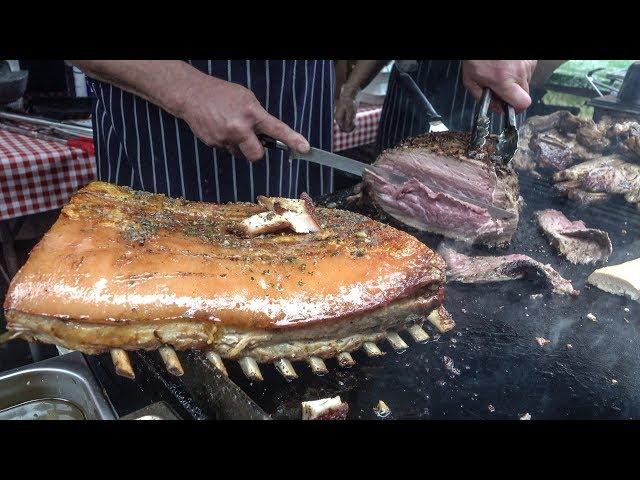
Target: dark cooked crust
[{"x": 452, "y": 144}]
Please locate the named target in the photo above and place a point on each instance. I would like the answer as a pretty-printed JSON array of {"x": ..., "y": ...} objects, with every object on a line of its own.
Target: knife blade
[{"x": 355, "y": 167}]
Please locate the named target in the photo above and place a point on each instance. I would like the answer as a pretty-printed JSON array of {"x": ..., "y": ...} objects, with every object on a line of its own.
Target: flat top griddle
[
  {"x": 501, "y": 367},
  {"x": 498, "y": 372}
]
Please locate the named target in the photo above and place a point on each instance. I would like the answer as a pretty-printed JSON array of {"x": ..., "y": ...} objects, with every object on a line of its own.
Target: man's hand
[
  {"x": 360, "y": 76},
  {"x": 225, "y": 114},
  {"x": 220, "y": 113},
  {"x": 509, "y": 80},
  {"x": 347, "y": 107}
]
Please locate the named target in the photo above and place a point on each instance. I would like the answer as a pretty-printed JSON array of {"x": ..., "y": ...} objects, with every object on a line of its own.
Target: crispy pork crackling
[{"x": 122, "y": 269}]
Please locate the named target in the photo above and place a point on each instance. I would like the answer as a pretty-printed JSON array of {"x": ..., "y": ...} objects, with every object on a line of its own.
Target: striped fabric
[
  {"x": 441, "y": 82},
  {"x": 140, "y": 145}
]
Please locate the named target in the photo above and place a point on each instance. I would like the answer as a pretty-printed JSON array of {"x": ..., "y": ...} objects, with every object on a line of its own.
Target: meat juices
[
  {"x": 485, "y": 269},
  {"x": 441, "y": 157},
  {"x": 134, "y": 270},
  {"x": 574, "y": 240}
]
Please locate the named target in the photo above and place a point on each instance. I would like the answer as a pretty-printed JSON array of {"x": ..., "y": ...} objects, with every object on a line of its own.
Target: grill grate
[{"x": 490, "y": 366}]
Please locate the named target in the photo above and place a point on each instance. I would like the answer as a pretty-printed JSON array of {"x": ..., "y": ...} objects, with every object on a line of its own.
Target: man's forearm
[
  {"x": 162, "y": 82},
  {"x": 220, "y": 113},
  {"x": 363, "y": 72}
]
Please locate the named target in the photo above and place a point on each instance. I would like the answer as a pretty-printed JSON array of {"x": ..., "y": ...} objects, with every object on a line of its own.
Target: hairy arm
[
  {"x": 220, "y": 113},
  {"x": 360, "y": 76}
]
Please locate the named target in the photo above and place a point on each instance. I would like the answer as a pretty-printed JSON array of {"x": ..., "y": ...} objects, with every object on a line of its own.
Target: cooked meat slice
[
  {"x": 130, "y": 270},
  {"x": 587, "y": 132},
  {"x": 573, "y": 239},
  {"x": 572, "y": 190},
  {"x": 621, "y": 279},
  {"x": 325, "y": 409},
  {"x": 299, "y": 214},
  {"x": 551, "y": 151},
  {"x": 560, "y": 139},
  {"x": 627, "y": 136},
  {"x": 441, "y": 159},
  {"x": 486, "y": 269},
  {"x": 569, "y": 123},
  {"x": 525, "y": 158},
  {"x": 592, "y": 137}
]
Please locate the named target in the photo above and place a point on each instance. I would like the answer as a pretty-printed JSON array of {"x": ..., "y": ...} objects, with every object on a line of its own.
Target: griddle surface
[{"x": 501, "y": 367}]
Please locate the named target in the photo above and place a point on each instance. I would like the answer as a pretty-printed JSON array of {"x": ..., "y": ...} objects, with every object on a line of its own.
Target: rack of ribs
[{"x": 123, "y": 270}]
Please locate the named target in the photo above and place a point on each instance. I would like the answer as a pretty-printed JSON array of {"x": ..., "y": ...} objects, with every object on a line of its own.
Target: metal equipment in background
[
  {"x": 622, "y": 102},
  {"x": 12, "y": 83},
  {"x": 64, "y": 128},
  {"x": 59, "y": 388}
]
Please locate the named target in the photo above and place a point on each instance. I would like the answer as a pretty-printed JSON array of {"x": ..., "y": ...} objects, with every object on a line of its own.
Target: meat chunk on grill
[
  {"x": 574, "y": 240},
  {"x": 486, "y": 269},
  {"x": 441, "y": 159},
  {"x": 603, "y": 176},
  {"x": 561, "y": 139}
]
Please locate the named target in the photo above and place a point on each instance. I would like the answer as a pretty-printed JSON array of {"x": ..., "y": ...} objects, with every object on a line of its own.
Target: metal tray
[{"x": 60, "y": 387}]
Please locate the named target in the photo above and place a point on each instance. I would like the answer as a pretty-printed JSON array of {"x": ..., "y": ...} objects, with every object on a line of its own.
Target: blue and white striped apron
[
  {"x": 441, "y": 82},
  {"x": 140, "y": 145}
]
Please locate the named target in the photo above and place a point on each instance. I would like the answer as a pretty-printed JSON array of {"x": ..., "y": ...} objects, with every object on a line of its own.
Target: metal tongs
[{"x": 508, "y": 138}]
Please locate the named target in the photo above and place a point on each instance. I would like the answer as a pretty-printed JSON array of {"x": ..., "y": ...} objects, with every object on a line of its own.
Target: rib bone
[
  {"x": 418, "y": 333},
  {"x": 250, "y": 368},
  {"x": 317, "y": 365},
  {"x": 286, "y": 369},
  {"x": 396, "y": 341},
  {"x": 122, "y": 363},
  {"x": 345, "y": 359},
  {"x": 441, "y": 319},
  {"x": 215, "y": 359},
  {"x": 372, "y": 350},
  {"x": 171, "y": 360}
]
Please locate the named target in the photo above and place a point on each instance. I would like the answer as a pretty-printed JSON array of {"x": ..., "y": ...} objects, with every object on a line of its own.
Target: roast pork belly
[
  {"x": 134, "y": 270},
  {"x": 441, "y": 158},
  {"x": 574, "y": 240}
]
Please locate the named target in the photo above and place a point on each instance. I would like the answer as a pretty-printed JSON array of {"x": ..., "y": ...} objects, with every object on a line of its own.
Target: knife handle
[{"x": 269, "y": 142}]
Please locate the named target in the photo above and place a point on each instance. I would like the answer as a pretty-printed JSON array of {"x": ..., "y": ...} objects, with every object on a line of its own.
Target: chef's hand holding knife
[
  {"x": 225, "y": 114},
  {"x": 508, "y": 79},
  {"x": 220, "y": 113}
]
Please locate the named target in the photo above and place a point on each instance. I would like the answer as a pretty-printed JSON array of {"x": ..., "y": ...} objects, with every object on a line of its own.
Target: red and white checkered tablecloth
[
  {"x": 367, "y": 120},
  {"x": 38, "y": 175}
]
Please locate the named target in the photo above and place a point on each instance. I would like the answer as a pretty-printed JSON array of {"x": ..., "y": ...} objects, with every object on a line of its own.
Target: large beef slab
[{"x": 441, "y": 159}]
